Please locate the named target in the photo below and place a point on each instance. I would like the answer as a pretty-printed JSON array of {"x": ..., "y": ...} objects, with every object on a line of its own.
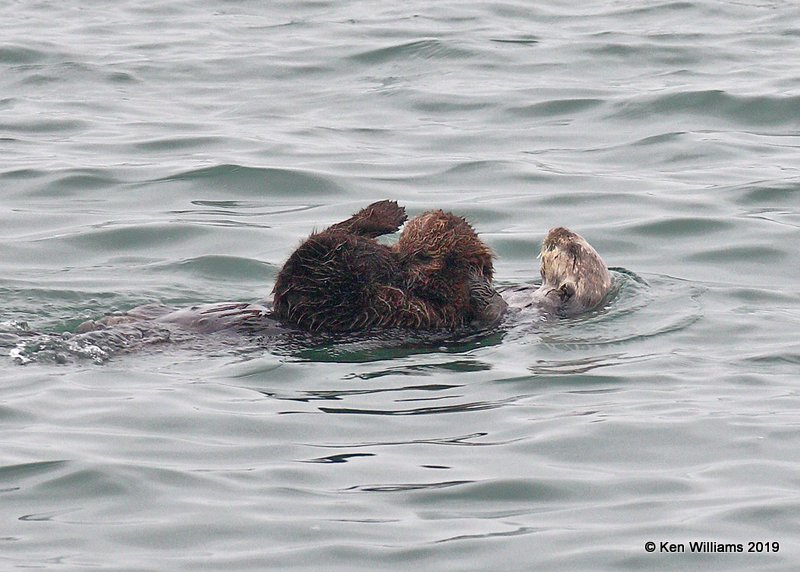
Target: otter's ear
[{"x": 566, "y": 291}]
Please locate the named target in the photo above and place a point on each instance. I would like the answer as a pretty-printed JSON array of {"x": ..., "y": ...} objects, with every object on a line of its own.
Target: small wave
[
  {"x": 520, "y": 40},
  {"x": 13, "y": 473},
  {"x": 420, "y": 49},
  {"x": 238, "y": 179},
  {"x": 557, "y": 107},
  {"x": 734, "y": 253},
  {"x": 650, "y": 51},
  {"x": 44, "y": 125},
  {"x": 505, "y": 492},
  {"x": 455, "y": 408},
  {"x": 11, "y": 54},
  {"x": 718, "y": 104},
  {"x": 179, "y": 143},
  {"x": 771, "y": 194},
  {"x": 457, "y": 441},
  {"x": 340, "y": 458},
  {"x": 221, "y": 267},
  {"x": 515, "y": 531},
  {"x": 403, "y": 487},
  {"x": 655, "y": 8},
  {"x": 339, "y": 394},
  {"x": 675, "y": 226},
  {"x": 134, "y": 237},
  {"x": 583, "y": 365},
  {"x": 75, "y": 182}
]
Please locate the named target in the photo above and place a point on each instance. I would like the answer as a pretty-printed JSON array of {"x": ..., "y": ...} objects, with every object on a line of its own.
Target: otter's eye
[{"x": 422, "y": 257}]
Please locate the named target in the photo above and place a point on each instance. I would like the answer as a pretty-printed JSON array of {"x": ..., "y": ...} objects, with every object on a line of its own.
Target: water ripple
[
  {"x": 11, "y": 54},
  {"x": 635, "y": 310},
  {"x": 405, "y": 487},
  {"x": 258, "y": 180},
  {"x": 719, "y": 104},
  {"x": 457, "y": 408},
  {"x": 420, "y": 49}
]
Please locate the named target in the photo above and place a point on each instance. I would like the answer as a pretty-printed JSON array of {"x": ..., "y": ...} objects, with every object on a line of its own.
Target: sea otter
[
  {"x": 437, "y": 276},
  {"x": 574, "y": 277}
]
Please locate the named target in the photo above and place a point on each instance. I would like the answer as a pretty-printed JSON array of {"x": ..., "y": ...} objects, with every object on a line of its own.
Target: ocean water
[{"x": 178, "y": 152}]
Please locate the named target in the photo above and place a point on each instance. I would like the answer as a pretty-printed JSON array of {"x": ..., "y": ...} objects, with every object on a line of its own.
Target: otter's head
[
  {"x": 438, "y": 250},
  {"x": 573, "y": 274}
]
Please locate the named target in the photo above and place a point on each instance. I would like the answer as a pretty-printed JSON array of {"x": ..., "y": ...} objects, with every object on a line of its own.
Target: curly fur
[{"x": 342, "y": 279}]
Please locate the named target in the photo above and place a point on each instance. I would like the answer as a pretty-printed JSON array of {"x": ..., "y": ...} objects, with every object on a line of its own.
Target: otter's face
[
  {"x": 437, "y": 251},
  {"x": 574, "y": 269}
]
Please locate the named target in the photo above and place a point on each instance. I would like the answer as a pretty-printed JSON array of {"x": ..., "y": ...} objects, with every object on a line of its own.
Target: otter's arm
[
  {"x": 485, "y": 302},
  {"x": 397, "y": 308},
  {"x": 478, "y": 304},
  {"x": 383, "y": 217}
]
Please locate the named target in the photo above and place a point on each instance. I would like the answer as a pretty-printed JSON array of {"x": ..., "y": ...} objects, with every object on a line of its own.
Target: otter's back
[{"x": 329, "y": 282}]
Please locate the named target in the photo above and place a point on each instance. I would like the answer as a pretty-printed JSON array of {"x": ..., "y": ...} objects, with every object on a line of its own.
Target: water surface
[{"x": 178, "y": 153}]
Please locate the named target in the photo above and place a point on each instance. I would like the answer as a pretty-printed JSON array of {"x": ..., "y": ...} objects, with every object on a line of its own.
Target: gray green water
[{"x": 178, "y": 152}]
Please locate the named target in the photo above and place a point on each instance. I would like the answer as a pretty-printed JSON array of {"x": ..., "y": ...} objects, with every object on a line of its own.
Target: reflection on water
[
  {"x": 459, "y": 440},
  {"x": 584, "y": 365},
  {"x": 458, "y": 408},
  {"x": 334, "y": 395},
  {"x": 404, "y": 487}
]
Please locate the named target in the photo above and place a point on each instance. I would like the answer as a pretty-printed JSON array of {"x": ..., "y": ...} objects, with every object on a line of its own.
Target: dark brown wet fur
[
  {"x": 342, "y": 279},
  {"x": 442, "y": 257}
]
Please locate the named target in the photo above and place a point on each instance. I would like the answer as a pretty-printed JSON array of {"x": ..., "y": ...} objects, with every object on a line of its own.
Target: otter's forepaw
[
  {"x": 566, "y": 291},
  {"x": 387, "y": 215},
  {"x": 382, "y": 217},
  {"x": 486, "y": 303}
]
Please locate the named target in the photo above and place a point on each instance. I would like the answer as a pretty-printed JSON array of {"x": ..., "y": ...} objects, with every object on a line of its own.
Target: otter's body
[
  {"x": 339, "y": 281},
  {"x": 242, "y": 317}
]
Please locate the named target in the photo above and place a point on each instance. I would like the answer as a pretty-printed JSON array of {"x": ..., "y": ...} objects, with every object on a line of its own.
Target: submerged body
[
  {"x": 241, "y": 317},
  {"x": 574, "y": 278}
]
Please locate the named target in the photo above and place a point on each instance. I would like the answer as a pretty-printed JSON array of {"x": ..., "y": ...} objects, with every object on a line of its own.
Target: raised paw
[{"x": 382, "y": 217}]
